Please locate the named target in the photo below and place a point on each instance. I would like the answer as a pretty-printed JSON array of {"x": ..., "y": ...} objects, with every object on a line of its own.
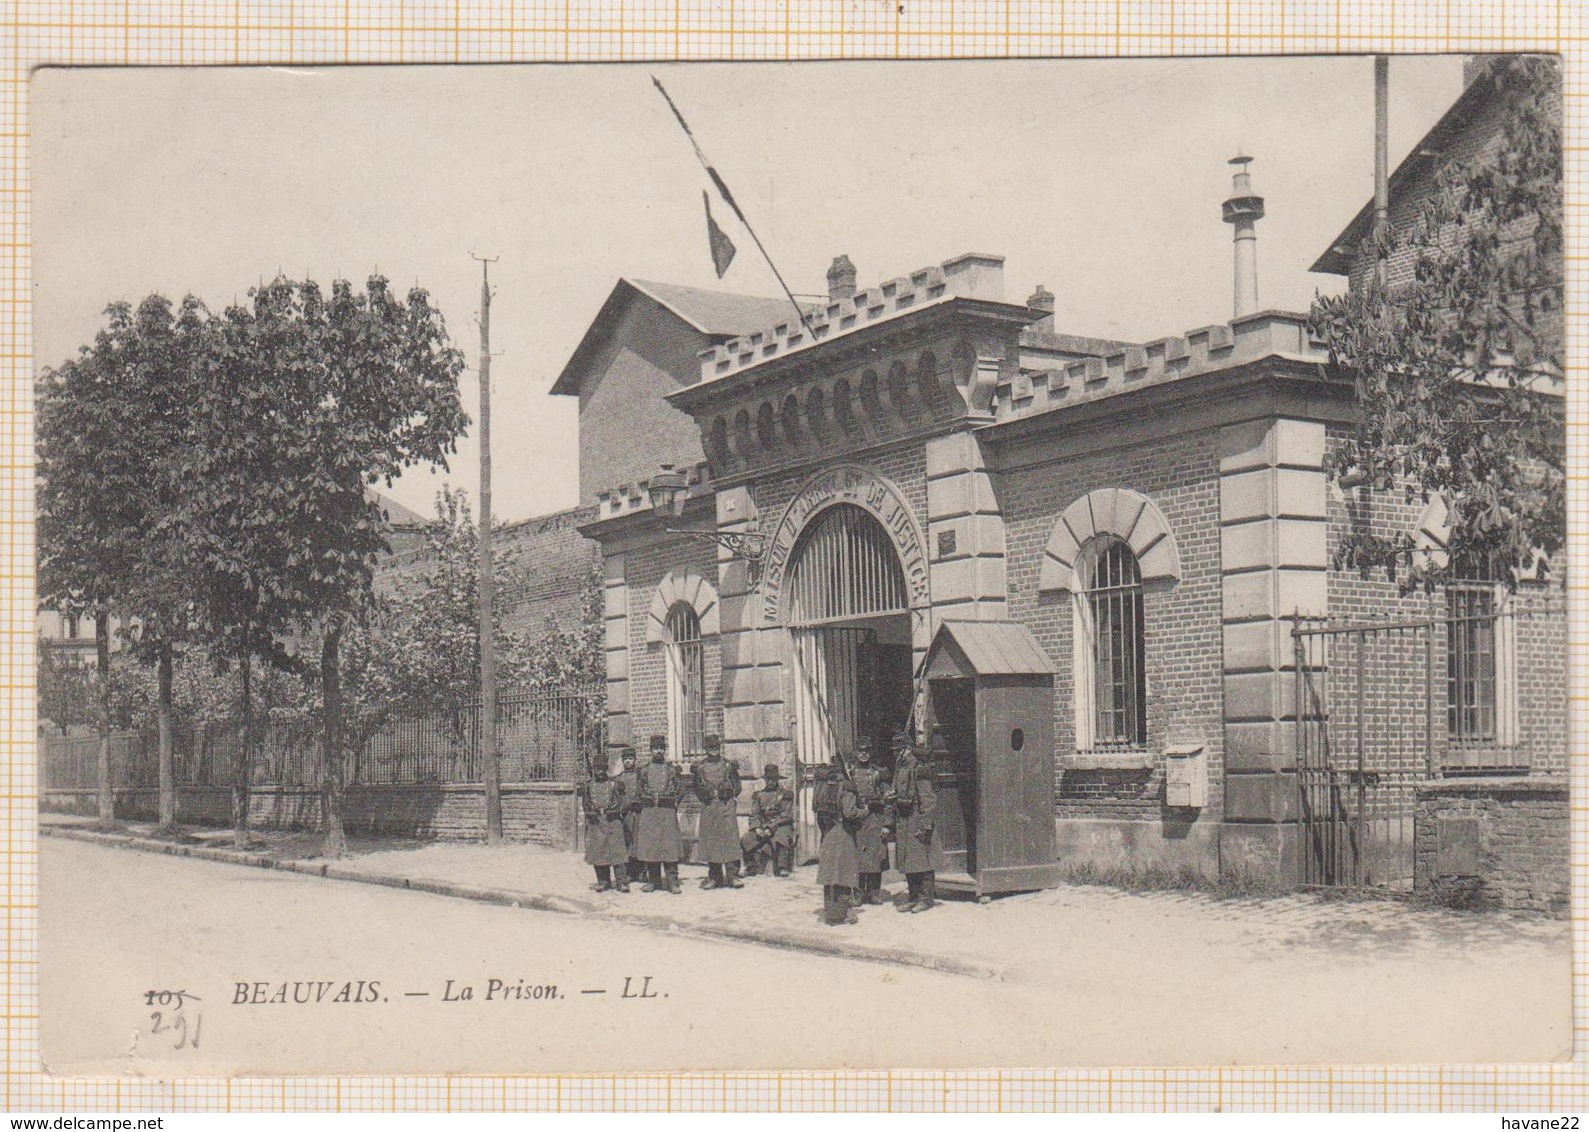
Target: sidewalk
[{"x": 1000, "y": 939}]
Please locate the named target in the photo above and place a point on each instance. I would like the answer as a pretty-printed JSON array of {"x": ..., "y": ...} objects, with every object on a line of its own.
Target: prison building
[{"x": 884, "y": 512}]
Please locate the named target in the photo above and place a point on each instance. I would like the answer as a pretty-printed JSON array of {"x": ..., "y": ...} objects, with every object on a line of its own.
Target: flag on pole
[{"x": 722, "y": 246}]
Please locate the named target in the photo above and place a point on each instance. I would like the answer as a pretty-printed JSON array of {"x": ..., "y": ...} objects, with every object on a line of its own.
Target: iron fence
[
  {"x": 541, "y": 737},
  {"x": 1383, "y": 706}
]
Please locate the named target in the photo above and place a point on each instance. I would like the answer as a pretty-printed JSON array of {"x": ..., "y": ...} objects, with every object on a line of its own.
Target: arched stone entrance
[{"x": 847, "y": 580}]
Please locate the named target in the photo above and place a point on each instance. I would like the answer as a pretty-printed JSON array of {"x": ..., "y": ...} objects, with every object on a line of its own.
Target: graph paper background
[{"x": 323, "y": 31}]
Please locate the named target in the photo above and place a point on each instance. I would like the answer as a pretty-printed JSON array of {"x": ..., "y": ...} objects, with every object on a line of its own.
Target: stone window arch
[
  {"x": 1127, "y": 515},
  {"x": 690, "y": 588}
]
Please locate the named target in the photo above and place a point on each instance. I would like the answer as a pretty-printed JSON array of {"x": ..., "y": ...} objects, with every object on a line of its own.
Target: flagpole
[{"x": 728, "y": 199}]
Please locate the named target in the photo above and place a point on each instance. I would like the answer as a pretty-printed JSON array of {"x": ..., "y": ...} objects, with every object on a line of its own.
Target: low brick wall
[
  {"x": 1495, "y": 843},
  {"x": 541, "y": 813}
]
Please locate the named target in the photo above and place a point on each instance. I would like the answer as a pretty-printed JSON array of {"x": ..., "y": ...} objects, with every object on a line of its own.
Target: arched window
[
  {"x": 1111, "y": 690},
  {"x": 686, "y": 681}
]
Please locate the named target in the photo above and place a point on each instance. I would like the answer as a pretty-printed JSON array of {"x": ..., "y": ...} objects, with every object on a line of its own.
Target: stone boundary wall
[{"x": 1495, "y": 843}]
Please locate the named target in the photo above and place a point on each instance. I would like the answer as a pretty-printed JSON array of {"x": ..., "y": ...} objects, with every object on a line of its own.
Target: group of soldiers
[
  {"x": 860, "y": 809},
  {"x": 632, "y": 829}
]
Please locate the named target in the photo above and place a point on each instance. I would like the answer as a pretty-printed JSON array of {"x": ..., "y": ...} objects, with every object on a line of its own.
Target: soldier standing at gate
[
  {"x": 837, "y": 870},
  {"x": 771, "y": 832},
  {"x": 629, "y": 779},
  {"x": 715, "y": 781},
  {"x": 657, "y": 841},
  {"x": 604, "y": 804},
  {"x": 871, "y": 836},
  {"x": 917, "y": 853}
]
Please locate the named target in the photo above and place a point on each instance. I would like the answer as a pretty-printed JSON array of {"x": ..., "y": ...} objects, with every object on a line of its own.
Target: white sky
[{"x": 1100, "y": 179}]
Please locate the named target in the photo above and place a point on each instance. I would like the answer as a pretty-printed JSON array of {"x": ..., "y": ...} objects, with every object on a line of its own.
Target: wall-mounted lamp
[{"x": 669, "y": 491}]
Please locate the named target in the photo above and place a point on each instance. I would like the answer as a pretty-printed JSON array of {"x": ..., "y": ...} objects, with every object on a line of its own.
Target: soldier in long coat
[
  {"x": 715, "y": 781},
  {"x": 771, "y": 832},
  {"x": 658, "y": 842},
  {"x": 629, "y": 779},
  {"x": 917, "y": 853},
  {"x": 606, "y": 848},
  {"x": 837, "y": 863},
  {"x": 871, "y": 836}
]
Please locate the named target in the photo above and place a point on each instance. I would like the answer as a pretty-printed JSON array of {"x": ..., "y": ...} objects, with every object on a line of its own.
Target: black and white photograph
[{"x": 816, "y": 565}]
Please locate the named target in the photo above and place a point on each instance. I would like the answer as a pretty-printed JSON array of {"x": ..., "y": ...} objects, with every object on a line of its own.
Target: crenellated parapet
[
  {"x": 633, "y": 498},
  {"x": 970, "y": 276},
  {"x": 1201, "y": 351},
  {"x": 909, "y": 357}
]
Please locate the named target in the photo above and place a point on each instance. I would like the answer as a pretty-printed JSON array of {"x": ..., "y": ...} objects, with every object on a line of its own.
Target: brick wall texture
[
  {"x": 1522, "y": 836},
  {"x": 1395, "y": 670},
  {"x": 549, "y": 563},
  {"x": 626, "y": 427},
  {"x": 1182, "y": 637},
  {"x": 644, "y": 569}
]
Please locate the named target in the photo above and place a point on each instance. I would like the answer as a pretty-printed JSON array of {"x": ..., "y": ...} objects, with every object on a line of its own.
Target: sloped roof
[
  {"x": 1342, "y": 252},
  {"x": 719, "y": 312},
  {"x": 716, "y": 314},
  {"x": 994, "y": 648},
  {"x": 396, "y": 514}
]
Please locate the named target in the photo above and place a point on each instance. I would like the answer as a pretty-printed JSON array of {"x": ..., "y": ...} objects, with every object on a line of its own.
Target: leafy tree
[
  {"x": 419, "y": 652},
  {"x": 1457, "y": 371},
  {"x": 110, "y": 427},
  {"x": 309, "y": 401}
]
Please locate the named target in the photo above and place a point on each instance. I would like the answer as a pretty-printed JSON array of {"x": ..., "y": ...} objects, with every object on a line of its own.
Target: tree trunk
[
  {"x": 335, "y": 843},
  {"x": 107, "y": 794},
  {"x": 245, "y": 756},
  {"x": 168, "y": 777}
]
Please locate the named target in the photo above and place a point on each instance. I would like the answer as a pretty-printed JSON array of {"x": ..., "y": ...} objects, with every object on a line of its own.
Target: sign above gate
[{"x": 847, "y": 483}]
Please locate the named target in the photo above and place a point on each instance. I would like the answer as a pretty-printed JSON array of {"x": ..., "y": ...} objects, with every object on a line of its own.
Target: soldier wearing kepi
[
  {"x": 657, "y": 841},
  {"x": 605, "y": 804},
  {"x": 771, "y": 833},
  {"x": 629, "y": 779},
  {"x": 837, "y": 870},
  {"x": 715, "y": 781},
  {"x": 917, "y": 853},
  {"x": 871, "y": 836}
]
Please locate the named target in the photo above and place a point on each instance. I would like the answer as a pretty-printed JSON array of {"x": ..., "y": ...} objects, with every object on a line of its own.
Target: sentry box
[{"x": 990, "y": 719}]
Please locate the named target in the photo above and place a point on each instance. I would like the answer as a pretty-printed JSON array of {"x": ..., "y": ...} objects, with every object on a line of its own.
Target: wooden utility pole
[{"x": 491, "y": 767}]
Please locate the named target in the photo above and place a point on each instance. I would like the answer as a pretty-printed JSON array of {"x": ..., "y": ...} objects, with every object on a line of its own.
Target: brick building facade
[{"x": 789, "y": 505}]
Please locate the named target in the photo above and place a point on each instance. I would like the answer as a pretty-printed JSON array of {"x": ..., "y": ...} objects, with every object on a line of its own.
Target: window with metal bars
[
  {"x": 1471, "y": 662},
  {"x": 845, "y": 566},
  {"x": 686, "y": 682},
  {"x": 1113, "y": 647}
]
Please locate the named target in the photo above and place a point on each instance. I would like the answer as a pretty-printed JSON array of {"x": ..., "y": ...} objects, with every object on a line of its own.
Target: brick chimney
[
  {"x": 1042, "y": 299},
  {"x": 841, "y": 279}
]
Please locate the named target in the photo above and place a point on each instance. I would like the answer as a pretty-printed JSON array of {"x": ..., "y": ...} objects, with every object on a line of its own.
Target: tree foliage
[
  {"x": 419, "y": 651},
  {"x": 210, "y": 475},
  {"x": 1458, "y": 371},
  {"x": 112, "y": 429},
  {"x": 307, "y": 402}
]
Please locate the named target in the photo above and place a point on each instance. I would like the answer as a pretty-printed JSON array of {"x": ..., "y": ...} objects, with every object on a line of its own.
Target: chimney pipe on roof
[
  {"x": 1243, "y": 210},
  {"x": 1042, "y": 299},
  {"x": 841, "y": 279}
]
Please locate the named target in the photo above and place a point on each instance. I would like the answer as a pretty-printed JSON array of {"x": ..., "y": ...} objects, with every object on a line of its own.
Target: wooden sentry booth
[{"x": 990, "y": 718}]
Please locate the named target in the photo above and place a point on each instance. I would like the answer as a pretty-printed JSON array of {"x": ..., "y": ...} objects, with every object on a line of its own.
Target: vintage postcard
[{"x": 801, "y": 566}]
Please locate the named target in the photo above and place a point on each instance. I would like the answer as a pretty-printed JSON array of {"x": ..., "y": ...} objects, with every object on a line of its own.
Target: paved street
[{"x": 1089, "y": 976}]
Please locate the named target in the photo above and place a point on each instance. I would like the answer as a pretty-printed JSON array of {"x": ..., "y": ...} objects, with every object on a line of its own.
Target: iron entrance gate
[{"x": 1366, "y": 734}]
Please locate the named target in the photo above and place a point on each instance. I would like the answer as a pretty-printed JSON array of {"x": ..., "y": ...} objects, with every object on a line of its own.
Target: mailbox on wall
[
  {"x": 990, "y": 712},
  {"x": 1185, "y": 776}
]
